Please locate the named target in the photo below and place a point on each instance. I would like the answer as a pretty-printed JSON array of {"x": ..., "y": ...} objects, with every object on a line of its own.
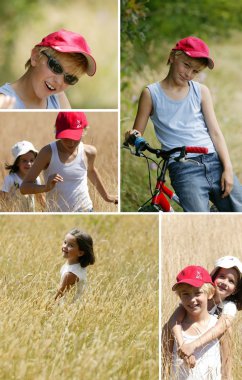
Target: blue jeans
[{"x": 198, "y": 181}]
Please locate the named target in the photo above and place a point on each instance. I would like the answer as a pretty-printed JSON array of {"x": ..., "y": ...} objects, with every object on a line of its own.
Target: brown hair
[{"x": 85, "y": 244}]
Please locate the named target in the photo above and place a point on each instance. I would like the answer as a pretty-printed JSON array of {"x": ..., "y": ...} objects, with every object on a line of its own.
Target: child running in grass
[
  {"x": 24, "y": 154},
  {"x": 77, "y": 249},
  {"x": 183, "y": 115},
  {"x": 56, "y": 63},
  {"x": 226, "y": 301},
  {"x": 66, "y": 164},
  {"x": 195, "y": 288}
]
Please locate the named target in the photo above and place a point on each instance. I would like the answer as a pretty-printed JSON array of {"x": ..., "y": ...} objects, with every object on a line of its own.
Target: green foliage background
[
  {"x": 149, "y": 29},
  {"x": 148, "y": 26}
]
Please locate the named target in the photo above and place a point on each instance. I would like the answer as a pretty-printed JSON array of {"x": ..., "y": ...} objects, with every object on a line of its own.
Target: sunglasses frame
[{"x": 66, "y": 75}]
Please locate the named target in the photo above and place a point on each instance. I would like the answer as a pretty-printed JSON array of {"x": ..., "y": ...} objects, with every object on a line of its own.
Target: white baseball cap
[
  {"x": 22, "y": 147},
  {"x": 228, "y": 262}
]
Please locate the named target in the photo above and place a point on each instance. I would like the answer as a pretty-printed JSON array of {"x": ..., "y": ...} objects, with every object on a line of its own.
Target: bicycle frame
[{"x": 159, "y": 201}]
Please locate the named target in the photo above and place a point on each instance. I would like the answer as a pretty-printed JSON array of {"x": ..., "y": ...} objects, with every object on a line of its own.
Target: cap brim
[
  {"x": 196, "y": 54},
  {"x": 195, "y": 283},
  {"x": 70, "y": 134}
]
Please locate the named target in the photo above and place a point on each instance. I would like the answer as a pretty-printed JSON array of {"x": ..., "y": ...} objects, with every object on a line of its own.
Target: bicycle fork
[{"x": 159, "y": 199}]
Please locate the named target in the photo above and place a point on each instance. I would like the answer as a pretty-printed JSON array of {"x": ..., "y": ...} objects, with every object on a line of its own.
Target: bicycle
[{"x": 159, "y": 197}]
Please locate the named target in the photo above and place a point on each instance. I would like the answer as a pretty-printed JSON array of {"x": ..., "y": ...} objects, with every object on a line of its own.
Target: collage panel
[
  {"x": 68, "y": 160},
  {"x": 103, "y": 325},
  {"x": 59, "y": 54},
  {"x": 180, "y": 107},
  {"x": 201, "y": 324}
]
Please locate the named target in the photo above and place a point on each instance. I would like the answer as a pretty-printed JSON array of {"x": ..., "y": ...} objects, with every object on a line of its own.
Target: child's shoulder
[{"x": 90, "y": 150}]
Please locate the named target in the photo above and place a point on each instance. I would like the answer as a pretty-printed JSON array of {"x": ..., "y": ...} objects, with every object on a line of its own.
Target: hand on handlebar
[{"x": 130, "y": 136}]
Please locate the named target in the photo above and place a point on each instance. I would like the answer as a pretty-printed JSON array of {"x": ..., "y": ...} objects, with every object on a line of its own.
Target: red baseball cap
[
  {"x": 70, "y": 125},
  {"x": 194, "y": 47},
  {"x": 65, "y": 41},
  {"x": 193, "y": 275}
]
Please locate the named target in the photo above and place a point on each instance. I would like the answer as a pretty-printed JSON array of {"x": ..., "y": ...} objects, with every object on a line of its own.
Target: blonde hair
[
  {"x": 78, "y": 60},
  {"x": 206, "y": 288}
]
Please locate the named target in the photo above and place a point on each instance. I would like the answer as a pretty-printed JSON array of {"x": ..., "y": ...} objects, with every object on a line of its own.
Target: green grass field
[
  {"x": 112, "y": 333},
  {"x": 225, "y": 85}
]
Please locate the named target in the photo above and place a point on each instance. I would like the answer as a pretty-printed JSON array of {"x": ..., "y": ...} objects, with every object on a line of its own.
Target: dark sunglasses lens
[
  {"x": 70, "y": 79},
  {"x": 55, "y": 66}
]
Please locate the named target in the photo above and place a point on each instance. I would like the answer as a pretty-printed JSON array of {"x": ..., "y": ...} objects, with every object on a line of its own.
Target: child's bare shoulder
[{"x": 90, "y": 150}]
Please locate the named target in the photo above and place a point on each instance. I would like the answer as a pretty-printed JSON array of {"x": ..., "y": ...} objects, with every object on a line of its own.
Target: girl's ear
[
  {"x": 35, "y": 56},
  {"x": 81, "y": 253}
]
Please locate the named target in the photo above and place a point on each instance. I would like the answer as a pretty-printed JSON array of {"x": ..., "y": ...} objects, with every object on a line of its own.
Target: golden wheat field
[
  {"x": 199, "y": 240},
  {"x": 38, "y": 127},
  {"x": 112, "y": 333}
]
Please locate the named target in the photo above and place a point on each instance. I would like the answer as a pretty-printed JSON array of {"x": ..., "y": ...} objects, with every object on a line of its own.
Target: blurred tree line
[{"x": 147, "y": 27}]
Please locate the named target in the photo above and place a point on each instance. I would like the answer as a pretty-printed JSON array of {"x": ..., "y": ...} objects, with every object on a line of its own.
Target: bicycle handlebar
[{"x": 141, "y": 145}]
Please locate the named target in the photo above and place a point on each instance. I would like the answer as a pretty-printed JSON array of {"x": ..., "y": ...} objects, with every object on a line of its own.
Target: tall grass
[
  {"x": 38, "y": 127},
  {"x": 224, "y": 83},
  {"x": 112, "y": 333},
  {"x": 199, "y": 240}
]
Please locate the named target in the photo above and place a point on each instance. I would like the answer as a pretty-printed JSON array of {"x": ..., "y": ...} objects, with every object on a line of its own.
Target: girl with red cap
[
  {"x": 182, "y": 112},
  {"x": 56, "y": 63},
  {"x": 67, "y": 164}
]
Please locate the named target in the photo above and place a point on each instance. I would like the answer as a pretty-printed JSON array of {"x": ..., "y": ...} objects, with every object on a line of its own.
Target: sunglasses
[{"x": 56, "y": 68}]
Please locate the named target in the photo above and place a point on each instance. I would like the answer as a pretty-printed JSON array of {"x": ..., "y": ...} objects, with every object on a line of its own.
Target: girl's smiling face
[
  {"x": 226, "y": 282},
  {"x": 25, "y": 162},
  {"x": 194, "y": 300},
  {"x": 70, "y": 249}
]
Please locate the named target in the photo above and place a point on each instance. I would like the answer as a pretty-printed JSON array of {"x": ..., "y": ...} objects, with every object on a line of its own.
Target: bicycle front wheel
[{"x": 149, "y": 208}]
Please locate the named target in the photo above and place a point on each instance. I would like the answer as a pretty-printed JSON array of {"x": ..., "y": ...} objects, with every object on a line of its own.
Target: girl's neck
[
  {"x": 20, "y": 174},
  {"x": 24, "y": 89}
]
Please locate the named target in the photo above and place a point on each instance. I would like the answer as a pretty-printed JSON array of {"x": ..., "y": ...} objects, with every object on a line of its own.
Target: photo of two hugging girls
[{"x": 120, "y": 190}]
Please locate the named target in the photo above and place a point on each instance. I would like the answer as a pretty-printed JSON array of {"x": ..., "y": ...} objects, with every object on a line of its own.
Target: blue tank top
[
  {"x": 179, "y": 122},
  {"x": 6, "y": 89}
]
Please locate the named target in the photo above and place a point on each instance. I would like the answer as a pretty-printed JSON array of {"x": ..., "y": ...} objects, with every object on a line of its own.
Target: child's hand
[
  {"x": 6, "y": 101},
  {"x": 190, "y": 361},
  {"x": 186, "y": 350},
  {"x": 128, "y": 136},
  {"x": 52, "y": 181},
  {"x": 226, "y": 182},
  {"x": 112, "y": 199}
]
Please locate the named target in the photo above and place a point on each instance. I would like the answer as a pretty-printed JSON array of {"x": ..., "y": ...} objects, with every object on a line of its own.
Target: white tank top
[
  {"x": 71, "y": 195},
  {"x": 79, "y": 272},
  {"x": 208, "y": 360}
]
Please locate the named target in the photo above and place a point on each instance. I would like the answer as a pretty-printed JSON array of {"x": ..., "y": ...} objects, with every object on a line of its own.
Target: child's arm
[
  {"x": 29, "y": 186},
  {"x": 63, "y": 100},
  {"x": 215, "y": 332},
  {"x": 68, "y": 281},
  {"x": 94, "y": 176},
  {"x": 143, "y": 113},
  {"x": 6, "y": 101},
  {"x": 218, "y": 141},
  {"x": 174, "y": 324}
]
